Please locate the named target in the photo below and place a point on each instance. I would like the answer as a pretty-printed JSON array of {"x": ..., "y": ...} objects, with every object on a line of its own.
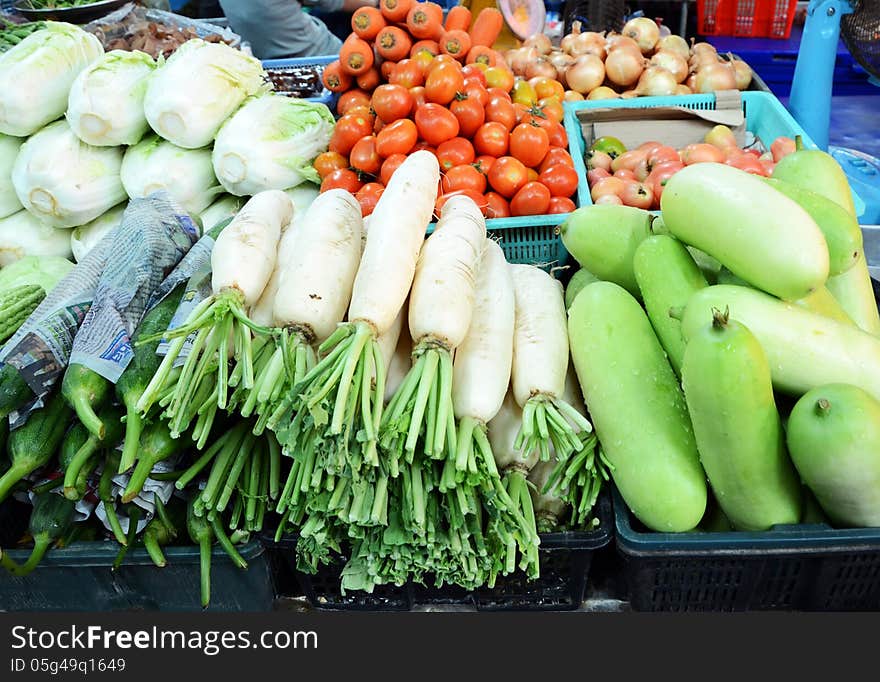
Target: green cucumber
[
  {"x": 667, "y": 277},
  {"x": 804, "y": 349},
  {"x": 79, "y": 464},
  {"x": 637, "y": 408},
  {"x": 729, "y": 395},
  {"x": 841, "y": 229},
  {"x": 756, "y": 232},
  {"x": 14, "y": 391},
  {"x": 816, "y": 171},
  {"x": 603, "y": 240},
  {"x": 155, "y": 445},
  {"x": 51, "y": 518},
  {"x": 834, "y": 439},
  {"x": 86, "y": 391},
  {"x": 853, "y": 290},
  {"x": 159, "y": 531},
  {"x": 32, "y": 446},
  {"x": 578, "y": 281}
]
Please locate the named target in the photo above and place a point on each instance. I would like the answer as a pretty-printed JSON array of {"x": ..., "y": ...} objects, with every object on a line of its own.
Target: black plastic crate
[{"x": 798, "y": 567}]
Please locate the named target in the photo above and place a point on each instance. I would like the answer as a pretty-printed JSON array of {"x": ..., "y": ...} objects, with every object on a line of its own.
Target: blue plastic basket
[
  {"x": 326, "y": 97},
  {"x": 766, "y": 118}
]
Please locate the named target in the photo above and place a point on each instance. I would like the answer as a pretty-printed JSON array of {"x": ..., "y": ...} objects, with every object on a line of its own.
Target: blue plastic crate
[
  {"x": 326, "y": 97},
  {"x": 765, "y": 117}
]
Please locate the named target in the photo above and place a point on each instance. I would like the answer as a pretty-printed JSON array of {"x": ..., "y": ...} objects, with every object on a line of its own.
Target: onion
[
  {"x": 561, "y": 62},
  {"x": 715, "y": 77},
  {"x": 656, "y": 82},
  {"x": 742, "y": 74},
  {"x": 590, "y": 43},
  {"x": 623, "y": 67},
  {"x": 704, "y": 48},
  {"x": 517, "y": 59},
  {"x": 603, "y": 92},
  {"x": 700, "y": 60},
  {"x": 540, "y": 42},
  {"x": 691, "y": 82},
  {"x": 683, "y": 90},
  {"x": 568, "y": 43},
  {"x": 628, "y": 94},
  {"x": 672, "y": 62},
  {"x": 674, "y": 43},
  {"x": 617, "y": 41},
  {"x": 540, "y": 67},
  {"x": 644, "y": 31},
  {"x": 572, "y": 96},
  {"x": 586, "y": 74}
]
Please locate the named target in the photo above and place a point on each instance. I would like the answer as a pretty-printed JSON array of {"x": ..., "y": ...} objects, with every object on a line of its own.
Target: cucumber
[
  {"x": 817, "y": 171},
  {"x": 88, "y": 449},
  {"x": 14, "y": 391},
  {"x": 667, "y": 277},
  {"x": 603, "y": 240},
  {"x": 137, "y": 376},
  {"x": 159, "y": 531},
  {"x": 32, "y": 446},
  {"x": 155, "y": 445},
  {"x": 729, "y": 395},
  {"x": 51, "y": 517},
  {"x": 637, "y": 408},
  {"x": 578, "y": 281},
  {"x": 841, "y": 229},
  {"x": 77, "y": 436},
  {"x": 854, "y": 292},
  {"x": 834, "y": 439},
  {"x": 805, "y": 350},
  {"x": 756, "y": 232},
  {"x": 86, "y": 391}
]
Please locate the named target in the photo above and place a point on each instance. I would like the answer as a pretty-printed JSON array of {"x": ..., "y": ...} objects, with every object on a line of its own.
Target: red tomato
[
  {"x": 368, "y": 197},
  {"x": 349, "y": 129},
  {"x": 558, "y": 136},
  {"x": 436, "y": 123},
  {"x": 424, "y": 146},
  {"x": 491, "y": 139},
  {"x": 529, "y": 144},
  {"x": 418, "y": 95},
  {"x": 499, "y": 77},
  {"x": 561, "y": 180},
  {"x": 441, "y": 59},
  {"x": 508, "y": 175},
  {"x": 561, "y": 205},
  {"x": 556, "y": 156},
  {"x": 397, "y": 138},
  {"x": 391, "y": 102},
  {"x": 463, "y": 177},
  {"x": 496, "y": 206},
  {"x": 476, "y": 197},
  {"x": 477, "y": 92},
  {"x": 407, "y": 73},
  {"x": 423, "y": 57},
  {"x": 443, "y": 81},
  {"x": 352, "y": 98},
  {"x": 546, "y": 88},
  {"x": 386, "y": 69},
  {"x": 342, "y": 178},
  {"x": 391, "y": 164},
  {"x": 501, "y": 111},
  {"x": 378, "y": 124},
  {"x": 552, "y": 108},
  {"x": 659, "y": 176},
  {"x": 470, "y": 115},
  {"x": 328, "y": 162},
  {"x": 626, "y": 174},
  {"x": 531, "y": 199},
  {"x": 532, "y": 175},
  {"x": 364, "y": 156},
  {"x": 484, "y": 163},
  {"x": 455, "y": 152},
  {"x": 493, "y": 92},
  {"x": 471, "y": 71}
]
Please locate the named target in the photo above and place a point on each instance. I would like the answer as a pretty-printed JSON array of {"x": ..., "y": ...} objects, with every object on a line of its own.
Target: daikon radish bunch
[
  {"x": 340, "y": 394},
  {"x": 441, "y": 306},
  {"x": 550, "y": 506},
  {"x": 481, "y": 369},
  {"x": 242, "y": 261},
  {"x": 540, "y": 360}
]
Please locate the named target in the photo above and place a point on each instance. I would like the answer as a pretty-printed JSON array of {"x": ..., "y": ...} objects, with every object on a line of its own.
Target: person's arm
[{"x": 340, "y": 5}]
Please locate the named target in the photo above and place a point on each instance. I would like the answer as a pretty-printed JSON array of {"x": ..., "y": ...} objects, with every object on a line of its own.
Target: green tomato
[{"x": 610, "y": 145}]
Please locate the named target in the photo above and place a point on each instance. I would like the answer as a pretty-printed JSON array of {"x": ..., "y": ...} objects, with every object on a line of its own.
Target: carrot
[
  {"x": 366, "y": 22},
  {"x": 387, "y": 69},
  {"x": 430, "y": 45},
  {"x": 458, "y": 19},
  {"x": 487, "y": 27},
  {"x": 355, "y": 56},
  {"x": 456, "y": 43},
  {"x": 395, "y": 10},
  {"x": 425, "y": 21},
  {"x": 393, "y": 43},
  {"x": 482, "y": 54},
  {"x": 334, "y": 78},
  {"x": 369, "y": 79}
]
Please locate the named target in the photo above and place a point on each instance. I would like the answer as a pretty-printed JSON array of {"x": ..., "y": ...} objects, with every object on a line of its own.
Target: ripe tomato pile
[{"x": 450, "y": 93}]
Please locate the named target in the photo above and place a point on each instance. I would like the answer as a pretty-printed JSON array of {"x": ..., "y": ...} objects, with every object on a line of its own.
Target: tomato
[
  {"x": 378, "y": 124},
  {"x": 369, "y": 79},
  {"x": 455, "y": 152},
  {"x": 342, "y": 178},
  {"x": 498, "y": 92},
  {"x": 397, "y": 138},
  {"x": 473, "y": 71},
  {"x": 560, "y": 205},
  {"x": 476, "y": 92},
  {"x": 364, "y": 156},
  {"x": 424, "y": 146},
  {"x": 361, "y": 110},
  {"x": 349, "y": 129},
  {"x": 436, "y": 123},
  {"x": 499, "y": 77},
  {"x": 529, "y": 144},
  {"x": 552, "y": 109},
  {"x": 558, "y": 136},
  {"x": 660, "y": 175},
  {"x": 605, "y": 186},
  {"x": 443, "y": 81},
  {"x": 520, "y": 113},
  {"x": 547, "y": 87},
  {"x": 561, "y": 180},
  {"x": 507, "y": 176},
  {"x": 463, "y": 177},
  {"x": 441, "y": 59},
  {"x": 556, "y": 156},
  {"x": 368, "y": 197},
  {"x": 328, "y": 162},
  {"x": 391, "y": 102},
  {"x": 391, "y": 164},
  {"x": 476, "y": 197},
  {"x": 524, "y": 93},
  {"x": 531, "y": 199},
  {"x": 610, "y": 145},
  {"x": 496, "y": 206},
  {"x": 424, "y": 59},
  {"x": 387, "y": 69},
  {"x": 532, "y": 175},
  {"x": 407, "y": 73},
  {"x": 637, "y": 194},
  {"x": 627, "y": 174},
  {"x": 491, "y": 139},
  {"x": 470, "y": 115},
  {"x": 350, "y": 99},
  {"x": 418, "y": 95},
  {"x": 501, "y": 110},
  {"x": 484, "y": 163}
]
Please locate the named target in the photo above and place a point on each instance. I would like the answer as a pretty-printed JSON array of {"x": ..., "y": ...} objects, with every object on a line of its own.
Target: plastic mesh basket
[{"x": 746, "y": 18}]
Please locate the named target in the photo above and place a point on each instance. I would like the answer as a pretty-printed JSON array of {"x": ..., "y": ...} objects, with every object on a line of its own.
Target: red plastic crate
[{"x": 746, "y": 18}]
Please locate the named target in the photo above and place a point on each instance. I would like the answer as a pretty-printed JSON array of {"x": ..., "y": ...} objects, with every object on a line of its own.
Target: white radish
[
  {"x": 481, "y": 368},
  {"x": 540, "y": 361},
  {"x": 550, "y": 505},
  {"x": 440, "y": 310},
  {"x": 399, "y": 362},
  {"x": 261, "y": 313}
]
